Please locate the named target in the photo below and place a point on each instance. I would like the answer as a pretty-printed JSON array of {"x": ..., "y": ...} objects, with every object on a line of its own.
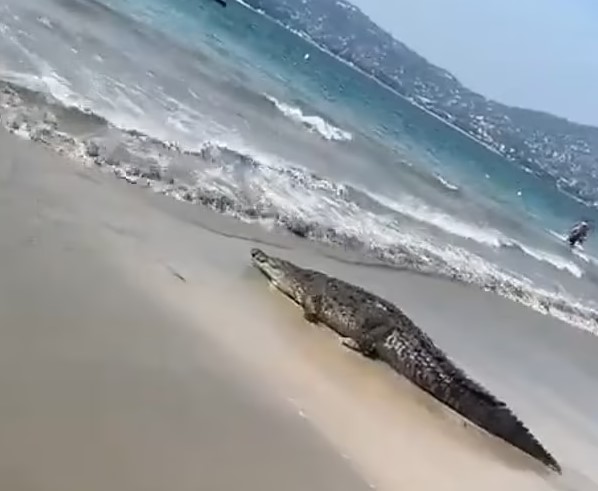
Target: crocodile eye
[{"x": 258, "y": 254}]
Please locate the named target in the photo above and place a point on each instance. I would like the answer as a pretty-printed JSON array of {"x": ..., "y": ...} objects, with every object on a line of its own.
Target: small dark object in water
[
  {"x": 179, "y": 276},
  {"x": 221, "y": 2},
  {"x": 176, "y": 274}
]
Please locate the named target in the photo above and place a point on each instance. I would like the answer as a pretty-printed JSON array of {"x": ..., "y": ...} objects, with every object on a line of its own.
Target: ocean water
[{"x": 226, "y": 108}]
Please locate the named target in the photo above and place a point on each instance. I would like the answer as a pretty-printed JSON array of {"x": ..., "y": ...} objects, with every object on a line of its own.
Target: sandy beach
[{"x": 140, "y": 351}]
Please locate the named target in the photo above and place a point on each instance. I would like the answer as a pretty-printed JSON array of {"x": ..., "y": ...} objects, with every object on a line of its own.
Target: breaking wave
[
  {"x": 259, "y": 188},
  {"x": 544, "y": 256},
  {"x": 315, "y": 124},
  {"x": 481, "y": 234},
  {"x": 447, "y": 184}
]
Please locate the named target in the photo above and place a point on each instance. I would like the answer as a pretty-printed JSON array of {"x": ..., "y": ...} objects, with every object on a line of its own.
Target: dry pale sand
[{"x": 140, "y": 351}]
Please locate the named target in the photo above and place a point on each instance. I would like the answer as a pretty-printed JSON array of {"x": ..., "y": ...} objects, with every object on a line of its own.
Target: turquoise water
[
  {"x": 275, "y": 57},
  {"x": 286, "y": 134},
  {"x": 242, "y": 116}
]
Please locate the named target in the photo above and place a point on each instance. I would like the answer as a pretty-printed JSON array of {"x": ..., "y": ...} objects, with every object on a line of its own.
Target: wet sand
[
  {"x": 139, "y": 350},
  {"x": 103, "y": 387}
]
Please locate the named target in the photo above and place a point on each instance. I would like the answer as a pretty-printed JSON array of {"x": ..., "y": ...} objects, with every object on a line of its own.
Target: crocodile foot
[{"x": 351, "y": 344}]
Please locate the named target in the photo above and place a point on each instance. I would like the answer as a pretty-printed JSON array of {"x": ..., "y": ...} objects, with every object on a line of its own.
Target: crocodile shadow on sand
[{"x": 380, "y": 330}]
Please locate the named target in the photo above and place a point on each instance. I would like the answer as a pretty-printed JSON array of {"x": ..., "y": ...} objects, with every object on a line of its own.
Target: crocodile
[{"x": 380, "y": 330}]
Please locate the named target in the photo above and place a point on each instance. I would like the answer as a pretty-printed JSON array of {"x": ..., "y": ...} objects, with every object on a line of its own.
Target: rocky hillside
[{"x": 545, "y": 144}]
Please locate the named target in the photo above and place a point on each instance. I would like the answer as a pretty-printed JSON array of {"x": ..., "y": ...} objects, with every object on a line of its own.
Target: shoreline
[
  {"x": 425, "y": 259},
  {"x": 106, "y": 386},
  {"x": 43, "y": 127},
  {"x": 125, "y": 311}
]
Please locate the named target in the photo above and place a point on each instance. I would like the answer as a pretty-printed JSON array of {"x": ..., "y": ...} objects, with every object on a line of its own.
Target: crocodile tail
[
  {"x": 512, "y": 429},
  {"x": 413, "y": 353},
  {"x": 493, "y": 415},
  {"x": 476, "y": 403}
]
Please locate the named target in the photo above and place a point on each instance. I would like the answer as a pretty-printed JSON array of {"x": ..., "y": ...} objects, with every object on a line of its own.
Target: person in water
[{"x": 579, "y": 233}]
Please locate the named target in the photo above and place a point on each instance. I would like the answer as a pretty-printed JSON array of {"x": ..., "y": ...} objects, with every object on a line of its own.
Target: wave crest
[
  {"x": 315, "y": 124},
  {"x": 258, "y": 188}
]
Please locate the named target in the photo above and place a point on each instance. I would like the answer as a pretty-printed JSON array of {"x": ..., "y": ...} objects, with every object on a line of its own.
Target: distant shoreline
[{"x": 305, "y": 37}]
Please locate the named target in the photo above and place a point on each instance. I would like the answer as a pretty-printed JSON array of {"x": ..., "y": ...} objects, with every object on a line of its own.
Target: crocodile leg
[
  {"x": 372, "y": 330},
  {"x": 312, "y": 300},
  {"x": 352, "y": 344},
  {"x": 311, "y": 307}
]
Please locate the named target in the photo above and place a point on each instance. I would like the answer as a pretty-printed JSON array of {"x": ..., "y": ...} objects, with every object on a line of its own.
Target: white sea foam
[
  {"x": 555, "y": 260},
  {"x": 560, "y": 236},
  {"x": 488, "y": 236},
  {"x": 447, "y": 184},
  {"x": 300, "y": 194},
  {"x": 45, "y": 22},
  {"x": 414, "y": 208},
  {"x": 316, "y": 206},
  {"x": 313, "y": 123},
  {"x": 233, "y": 178},
  {"x": 578, "y": 251},
  {"x": 253, "y": 186}
]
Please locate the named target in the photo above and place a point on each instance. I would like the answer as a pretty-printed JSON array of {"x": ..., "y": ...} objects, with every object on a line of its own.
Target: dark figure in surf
[{"x": 579, "y": 233}]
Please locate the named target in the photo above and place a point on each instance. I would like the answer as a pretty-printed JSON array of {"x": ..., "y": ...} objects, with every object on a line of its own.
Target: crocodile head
[{"x": 285, "y": 276}]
